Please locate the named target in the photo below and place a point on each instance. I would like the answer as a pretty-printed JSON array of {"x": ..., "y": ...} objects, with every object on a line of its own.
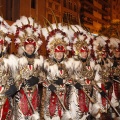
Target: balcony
[
  {"x": 58, "y": 1},
  {"x": 84, "y": 14},
  {"x": 105, "y": 9},
  {"x": 86, "y": 3},
  {"x": 91, "y": 1},
  {"x": 104, "y": 2},
  {"x": 89, "y": 11},
  {"x": 105, "y": 18},
  {"x": 87, "y": 22}
]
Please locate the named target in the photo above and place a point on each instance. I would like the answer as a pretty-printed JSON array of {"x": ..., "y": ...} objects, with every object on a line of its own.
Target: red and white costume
[
  {"x": 57, "y": 42},
  {"x": 26, "y": 31},
  {"x": 83, "y": 72},
  {"x": 7, "y": 71}
]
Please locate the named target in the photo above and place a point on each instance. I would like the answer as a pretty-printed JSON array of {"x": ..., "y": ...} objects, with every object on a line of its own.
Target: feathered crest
[
  {"x": 78, "y": 39},
  {"x": 56, "y": 36},
  {"x": 26, "y": 29},
  {"x": 4, "y": 32},
  {"x": 114, "y": 44},
  {"x": 101, "y": 45}
]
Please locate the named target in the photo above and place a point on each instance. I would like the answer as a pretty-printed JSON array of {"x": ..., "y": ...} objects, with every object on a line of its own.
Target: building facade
[
  {"x": 95, "y": 13},
  {"x": 116, "y": 16},
  {"x": 92, "y": 14},
  {"x": 66, "y": 11},
  {"x": 115, "y": 9}
]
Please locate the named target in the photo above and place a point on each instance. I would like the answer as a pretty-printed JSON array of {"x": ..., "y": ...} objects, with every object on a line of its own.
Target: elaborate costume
[
  {"x": 83, "y": 70},
  {"x": 57, "y": 76},
  {"x": 7, "y": 70},
  {"x": 27, "y": 100},
  {"x": 115, "y": 49},
  {"x": 103, "y": 83}
]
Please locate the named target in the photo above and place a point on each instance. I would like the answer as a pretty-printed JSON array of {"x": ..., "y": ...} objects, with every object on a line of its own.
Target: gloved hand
[
  {"x": 52, "y": 88},
  {"x": 11, "y": 91},
  {"x": 111, "y": 77},
  {"x": 116, "y": 77},
  {"x": 90, "y": 117},
  {"x": 59, "y": 81},
  {"x": 108, "y": 85},
  {"x": 103, "y": 94},
  {"x": 78, "y": 86},
  {"x": 32, "y": 81}
]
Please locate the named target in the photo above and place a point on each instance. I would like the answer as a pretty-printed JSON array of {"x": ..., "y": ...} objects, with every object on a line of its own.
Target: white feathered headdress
[
  {"x": 4, "y": 32},
  {"x": 115, "y": 44},
  {"x": 26, "y": 31},
  {"x": 81, "y": 40},
  {"x": 101, "y": 45},
  {"x": 57, "y": 39}
]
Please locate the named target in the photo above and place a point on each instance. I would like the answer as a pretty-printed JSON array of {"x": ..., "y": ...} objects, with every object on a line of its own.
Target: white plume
[
  {"x": 18, "y": 22},
  {"x": 66, "y": 115},
  {"x": 8, "y": 39},
  {"x": 95, "y": 110},
  {"x": 24, "y": 20},
  {"x": 31, "y": 20},
  {"x": 38, "y": 62},
  {"x": 13, "y": 63},
  {"x": 35, "y": 116},
  {"x": 23, "y": 61},
  {"x": 53, "y": 118}
]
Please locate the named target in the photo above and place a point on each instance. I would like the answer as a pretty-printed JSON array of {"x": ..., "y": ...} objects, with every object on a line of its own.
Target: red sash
[
  {"x": 103, "y": 99},
  {"x": 6, "y": 108},
  {"x": 53, "y": 103},
  {"x": 110, "y": 93},
  {"x": 24, "y": 105},
  {"x": 82, "y": 101},
  {"x": 116, "y": 89}
]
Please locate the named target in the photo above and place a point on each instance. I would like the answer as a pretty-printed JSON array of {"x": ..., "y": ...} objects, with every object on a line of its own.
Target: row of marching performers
[{"x": 82, "y": 87}]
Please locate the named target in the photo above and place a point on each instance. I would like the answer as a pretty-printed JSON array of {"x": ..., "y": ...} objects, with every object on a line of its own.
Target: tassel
[
  {"x": 53, "y": 118},
  {"x": 66, "y": 116},
  {"x": 95, "y": 110},
  {"x": 35, "y": 116}
]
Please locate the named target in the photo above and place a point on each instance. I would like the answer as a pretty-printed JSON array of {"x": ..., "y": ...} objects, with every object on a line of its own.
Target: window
[
  {"x": 58, "y": 1},
  {"x": 16, "y": 10},
  {"x": 75, "y": 8},
  {"x": 65, "y": 17},
  {"x": 58, "y": 19},
  {"x": 64, "y": 3},
  {"x": 50, "y": 4},
  {"x": 56, "y": 7},
  {"x": 33, "y": 4},
  {"x": 68, "y": 16},
  {"x": 91, "y": 1},
  {"x": 50, "y": 18},
  {"x": 12, "y": 11},
  {"x": 69, "y": 4},
  {"x": 9, "y": 9}
]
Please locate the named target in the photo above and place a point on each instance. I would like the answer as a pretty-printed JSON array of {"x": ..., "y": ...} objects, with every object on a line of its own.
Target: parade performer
[
  {"x": 7, "y": 71},
  {"x": 103, "y": 81},
  {"x": 115, "y": 49},
  {"x": 57, "y": 76},
  {"x": 28, "y": 39},
  {"x": 82, "y": 91}
]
